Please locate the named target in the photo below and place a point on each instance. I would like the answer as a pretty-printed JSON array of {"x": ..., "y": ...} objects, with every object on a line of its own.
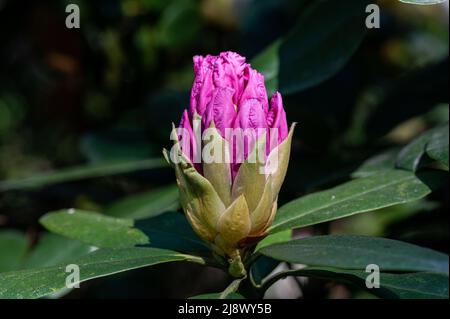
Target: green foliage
[
  {"x": 147, "y": 204},
  {"x": 53, "y": 249},
  {"x": 39, "y": 282},
  {"x": 358, "y": 196},
  {"x": 372, "y": 107},
  {"x": 94, "y": 229},
  {"x": 421, "y": 285},
  {"x": 13, "y": 246},
  {"x": 356, "y": 252},
  {"x": 433, "y": 142},
  {"x": 303, "y": 59},
  {"x": 437, "y": 146}
]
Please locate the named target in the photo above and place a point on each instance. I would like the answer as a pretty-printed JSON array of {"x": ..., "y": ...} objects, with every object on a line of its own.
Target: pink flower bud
[
  {"x": 230, "y": 155},
  {"x": 230, "y": 94}
]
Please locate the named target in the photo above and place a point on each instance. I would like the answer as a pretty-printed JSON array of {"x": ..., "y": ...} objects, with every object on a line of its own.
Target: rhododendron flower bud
[{"x": 230, "y": 154}]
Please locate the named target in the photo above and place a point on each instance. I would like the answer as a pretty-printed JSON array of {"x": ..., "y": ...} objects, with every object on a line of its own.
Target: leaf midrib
[{"x": 343, "y": 200}]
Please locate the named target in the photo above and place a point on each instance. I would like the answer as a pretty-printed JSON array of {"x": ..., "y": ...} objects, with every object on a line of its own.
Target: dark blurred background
[{"x": 108, "y": 92}]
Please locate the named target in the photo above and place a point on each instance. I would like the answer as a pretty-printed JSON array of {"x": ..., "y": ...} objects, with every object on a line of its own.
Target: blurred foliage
[{"x": 84, "y": 114}]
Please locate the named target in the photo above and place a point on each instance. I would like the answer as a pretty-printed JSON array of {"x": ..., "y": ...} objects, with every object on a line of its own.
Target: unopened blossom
[{"x": 230, "y": 155}]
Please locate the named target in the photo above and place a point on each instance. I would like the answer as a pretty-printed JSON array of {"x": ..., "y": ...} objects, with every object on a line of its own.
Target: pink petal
[
  {"x": 203, "y": 85},
  {"x": 276, "y": 118},
  {"x": 255, "y": 88},
  {"x": 251, "y": 116},
  {"x": 220, "y": 110},
  {"x": 228, "y": 72}
]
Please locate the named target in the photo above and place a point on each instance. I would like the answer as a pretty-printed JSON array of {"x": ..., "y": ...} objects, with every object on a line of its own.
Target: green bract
[{"x": 231, "y": 217}]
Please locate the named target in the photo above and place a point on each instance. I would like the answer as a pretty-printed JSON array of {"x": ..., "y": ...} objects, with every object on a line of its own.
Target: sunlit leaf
[
  {"x": 94, "y": 229},
  {"x": 39, "y": 282},
  {"x": 357, "y": 196}
]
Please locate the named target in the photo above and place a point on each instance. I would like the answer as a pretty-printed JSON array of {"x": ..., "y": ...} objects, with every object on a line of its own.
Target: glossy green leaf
[
  {"x": 410, "y": 157},
  {"x": 356, "y": 252},
  {"x": 13, "y": 247},
  {"x": 146, "y": 204},
  {"x": 265, "y": 265},
  {"x": 437, "y": 147},
  {"x": 418, "y": 285},
  {"x": 39, "y": 282},
  {"x": 267, "y": 63},
  {"x": 357, "y": 196},
  {"x": 308, "y": 58},
  {"x": 280, "y": 237},
  {"x": 171, "y": 231},
  {"x": 82, "y": 172},
  {"x": 94, "y": 229},
  {"x": 378, "y": 164},
  {"x": 303, "y": 59},
  {"x": 53, "y": 249},
  {"x": 262, "y": 268}
]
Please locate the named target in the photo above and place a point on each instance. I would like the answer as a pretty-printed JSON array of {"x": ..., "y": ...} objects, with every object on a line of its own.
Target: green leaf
[
  {"x": 419, "y": 285},
  {"x": 280, "y": 237},
  {"x": 303, "y": 59},
  {"x": 264, "y": 265},
  {"x": 308, "y": 58},
  {"x": 378, "y": 164},
  {"x": 179, "y": 25},
  {"x": 94, "y": 229},
  {"x": 411, "y": 155},
  {"x": 39, "y": 282},
  {"x": 356, "y": 252},
  {"x": 147, "y": 204},
  {"x": 378, "y": 223},
  {"x": 262, "y": 268},
  {"x": 267, "y": 63},
  {"x": 82, "y": 172},
  {"x": 357, "y": 196},
  {"x": 54, "y": 249},
  {"x": 171, "y": 231},
  {"x": 233, "y": 295},
  {"x": 423, "y": 2},
  {"x": 13, "y": 247},
  {"x": 437, "y": 147}
]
